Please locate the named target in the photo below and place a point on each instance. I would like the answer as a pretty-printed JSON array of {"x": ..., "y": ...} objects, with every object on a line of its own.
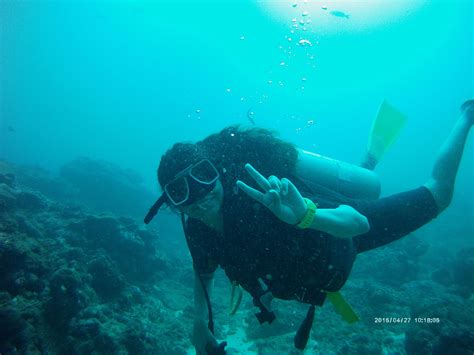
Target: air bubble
[{"x": 304, "y": 42}]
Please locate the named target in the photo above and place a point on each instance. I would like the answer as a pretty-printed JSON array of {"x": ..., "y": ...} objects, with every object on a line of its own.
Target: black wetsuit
[{"x": 295, "y": 263}]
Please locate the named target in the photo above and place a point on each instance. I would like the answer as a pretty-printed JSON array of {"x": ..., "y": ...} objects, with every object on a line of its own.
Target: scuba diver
[{"x": 285, "y": 223}]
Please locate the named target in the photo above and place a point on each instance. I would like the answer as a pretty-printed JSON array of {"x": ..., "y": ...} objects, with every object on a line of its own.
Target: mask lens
[
  {"x": 204, "y": 172},
  {"x": 177, "y": 190}
]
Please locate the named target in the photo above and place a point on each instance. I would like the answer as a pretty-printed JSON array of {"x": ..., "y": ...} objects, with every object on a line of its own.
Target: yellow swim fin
[
  {"x": 342, "y": 307},
  {"x": 385, "y": 130}
]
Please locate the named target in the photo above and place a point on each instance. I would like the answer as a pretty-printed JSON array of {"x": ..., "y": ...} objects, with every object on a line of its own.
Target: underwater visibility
[{"x": 236, "y": 177}]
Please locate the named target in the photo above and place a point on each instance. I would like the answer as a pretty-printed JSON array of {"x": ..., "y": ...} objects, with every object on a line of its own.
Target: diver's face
[{"x": 207, "y": 207}]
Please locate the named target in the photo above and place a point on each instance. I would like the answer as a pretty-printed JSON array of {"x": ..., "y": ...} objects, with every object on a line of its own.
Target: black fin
[{"x": 302, "y": 335}]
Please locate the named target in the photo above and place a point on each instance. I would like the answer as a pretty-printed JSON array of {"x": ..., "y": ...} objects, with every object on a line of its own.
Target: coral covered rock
[
  {"x": 107, "y": 281},
  {"x": 31, "y": 201},
  {"x": 463, "y": 270},
  {"x": 7, "y": 173},
  {"x": 455, "y": 341},
  {"x": 7, "y": 198},
  {"x": 67, "y": 297},
  {"x": 13, "y": 334},
  {"x": 107, "y": 187}
]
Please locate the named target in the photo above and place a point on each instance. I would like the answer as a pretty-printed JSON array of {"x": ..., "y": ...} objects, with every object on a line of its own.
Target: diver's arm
[
  {"x": 285, "y": 201},
  {"x": 202, "y": 336},
  {"x": 200, "y": 305},
  {"x": 343, "y": 221}
]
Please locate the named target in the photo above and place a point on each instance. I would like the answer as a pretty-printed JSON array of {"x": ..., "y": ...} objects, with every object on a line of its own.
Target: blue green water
[{"x": 122, "y": 81}]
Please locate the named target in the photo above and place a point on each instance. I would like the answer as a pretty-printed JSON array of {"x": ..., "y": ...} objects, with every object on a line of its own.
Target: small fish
[
  {"x": 250, "y": 115},
  {"x": 340, "y": 14},
  {"x": 11, "y": 129},
  {"x": 309, "y": 123}
]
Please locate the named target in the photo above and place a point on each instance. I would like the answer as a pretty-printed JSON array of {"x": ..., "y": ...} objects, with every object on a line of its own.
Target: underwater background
[{"x": 93, "y": 93}]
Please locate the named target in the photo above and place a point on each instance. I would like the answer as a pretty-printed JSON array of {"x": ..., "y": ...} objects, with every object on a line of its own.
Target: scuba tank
[
  {"x": 349, "y": 180},
  {"x": 358, "y": 182}
]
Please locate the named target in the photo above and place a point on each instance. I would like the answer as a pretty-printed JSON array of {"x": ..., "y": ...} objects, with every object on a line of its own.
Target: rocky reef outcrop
[
  {"x": 76, "y": 281},
  {"x": 79, "y": 276}
]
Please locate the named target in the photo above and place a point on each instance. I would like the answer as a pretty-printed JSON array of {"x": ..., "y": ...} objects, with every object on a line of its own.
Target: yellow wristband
[{"x": 308, "y": 218}]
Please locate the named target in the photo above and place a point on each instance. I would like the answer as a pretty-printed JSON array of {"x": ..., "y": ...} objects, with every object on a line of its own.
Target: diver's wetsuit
[
  {"x": 395, "y": 216},
  {"x": 295, "y": 263}
]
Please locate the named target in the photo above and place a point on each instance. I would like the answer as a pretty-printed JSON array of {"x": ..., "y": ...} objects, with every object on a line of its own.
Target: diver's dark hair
[
  {"x": 229, "y": 150},
  {"x": 178, "y": 158},
  {"x": 233, "y": 147}
]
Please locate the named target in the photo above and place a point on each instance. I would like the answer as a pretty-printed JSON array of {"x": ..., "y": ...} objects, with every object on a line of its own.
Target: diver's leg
[
  {"x": 395, "y": 216},
  {"x": 443, "y": 175}
]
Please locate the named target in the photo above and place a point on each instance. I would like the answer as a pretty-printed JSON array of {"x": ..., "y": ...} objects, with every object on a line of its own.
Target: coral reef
[
  {"x": 73, "y": 281},
  {"x": 85, "y": 277},
  {"x": 107, "y": 187}
]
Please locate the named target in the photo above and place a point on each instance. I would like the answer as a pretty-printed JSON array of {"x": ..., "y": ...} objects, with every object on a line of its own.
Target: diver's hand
[
  {"x": 202, "y": 336},
  {"x": 279, "y": 196}
]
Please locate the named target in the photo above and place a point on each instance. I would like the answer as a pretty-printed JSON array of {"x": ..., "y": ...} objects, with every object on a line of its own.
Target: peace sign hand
[{"x": 279, "y": 196}]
